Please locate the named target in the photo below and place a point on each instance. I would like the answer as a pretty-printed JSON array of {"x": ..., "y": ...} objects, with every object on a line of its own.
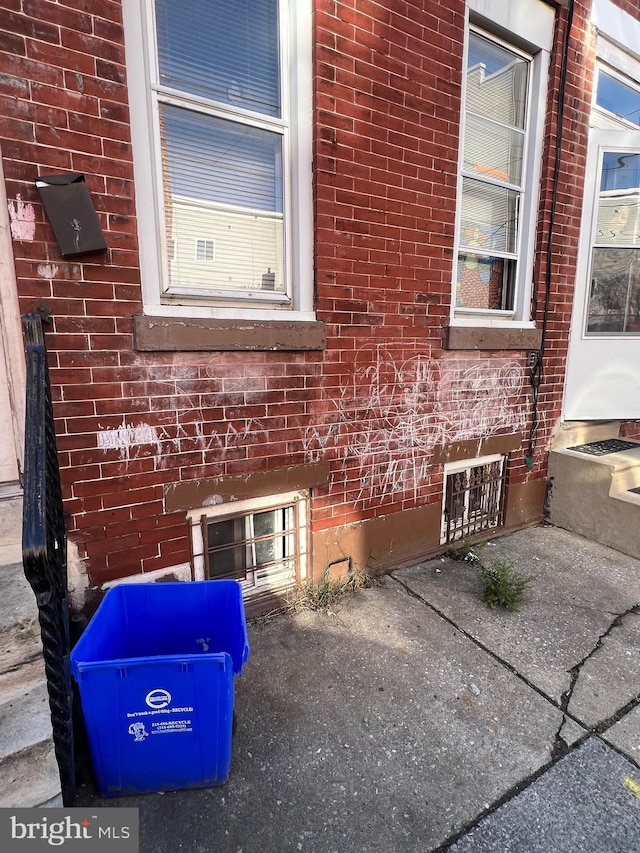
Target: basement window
[
  {"x": 262, "y": 542},
  {"x": 473, "y": 498}
]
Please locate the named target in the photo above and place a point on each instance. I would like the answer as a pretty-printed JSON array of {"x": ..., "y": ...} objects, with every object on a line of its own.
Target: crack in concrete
[
  {"x": 509, "y": 795},
  {"x": 486, "y": 649},
  {"x": 575, "y": 671},
  {"x": 620, "y": 714},
  {"x": 560, "y": 748}
]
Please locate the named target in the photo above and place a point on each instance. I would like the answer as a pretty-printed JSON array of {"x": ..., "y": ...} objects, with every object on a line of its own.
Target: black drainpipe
[{"x": 536, "y": 371}]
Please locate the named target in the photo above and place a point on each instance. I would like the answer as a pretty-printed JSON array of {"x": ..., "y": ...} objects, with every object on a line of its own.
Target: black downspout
[{"x": 536, "y": 371}]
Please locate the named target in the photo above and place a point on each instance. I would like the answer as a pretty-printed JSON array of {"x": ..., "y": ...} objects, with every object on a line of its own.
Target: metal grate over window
[
  {"x": 260, "y": 542},
  {"x": 473, "y": 497},
  {"x": 252, "y": 547}
]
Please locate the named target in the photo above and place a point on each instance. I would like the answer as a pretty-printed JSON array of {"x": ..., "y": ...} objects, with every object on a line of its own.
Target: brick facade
[{"x": 385, "y": 395}]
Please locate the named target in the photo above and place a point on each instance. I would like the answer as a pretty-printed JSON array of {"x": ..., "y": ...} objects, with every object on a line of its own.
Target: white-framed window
[
  {"x": 616, "y": 100},
  {"x": 205, "y": 250},
  {"x": 473, "y": 497},
  {"x": 220, "y": 98},
  {"x": 262, "y": 542},
  {"x": 613, "y": 307},
  {"x": 502, "y": 127}
]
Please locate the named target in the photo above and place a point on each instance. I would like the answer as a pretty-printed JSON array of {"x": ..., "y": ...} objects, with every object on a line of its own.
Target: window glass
[
  {"x": 492, "y": 189},
  {"x": 618, "y": 98},
  {"x": 253, "y": 546},
  {"x": 225, "y": 178},
  {"x": 614, "y": 297},
  {"x": 489, "y": 217},
  {"x": 221, "y": 110},
  {"x": 224, "y": 559},
  {"x": 227, "y": 52},
  {"x": 494, "y": 151},
  {"x": 205, "y": 250},
  {"x": 496, "y": 82}
]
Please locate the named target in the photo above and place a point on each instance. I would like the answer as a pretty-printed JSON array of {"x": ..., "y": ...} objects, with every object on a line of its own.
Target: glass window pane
[
  {"x": 618, "y": 202},
  {"x": 492, "y": 150},
  {"x": 485, "y": 283},
  {"x": 221, "y": 161},
  {"x": 614, "y": 298},
  {"x": 496, "y": 84},
  {"x": 620, "y": 171},
  {"x": 616, "y": 97},
  {"x": 227, "y": 52},
  {"x": 223, "y": 179},
  {"x": 226, "y": 558},
  {"x": 273, "y": 523},
  {"x": 489, "y": 217}
]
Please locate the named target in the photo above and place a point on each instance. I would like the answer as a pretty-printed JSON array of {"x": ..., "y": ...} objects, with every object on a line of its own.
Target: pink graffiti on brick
[{"x": 23, "y": 220}]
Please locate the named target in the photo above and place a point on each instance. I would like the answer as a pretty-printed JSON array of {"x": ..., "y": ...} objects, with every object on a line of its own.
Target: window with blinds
[
  {"x": 496, "y": 107},
  {"x": 221, "y": 100},
  {"x": 223, "y": 136}
]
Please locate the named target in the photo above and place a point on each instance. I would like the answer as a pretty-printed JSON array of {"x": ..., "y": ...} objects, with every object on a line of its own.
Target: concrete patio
[{"x": 413, "y": 718}]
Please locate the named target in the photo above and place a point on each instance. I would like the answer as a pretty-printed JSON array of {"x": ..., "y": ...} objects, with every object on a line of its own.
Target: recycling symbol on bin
[{"x": 158, "y": 698}]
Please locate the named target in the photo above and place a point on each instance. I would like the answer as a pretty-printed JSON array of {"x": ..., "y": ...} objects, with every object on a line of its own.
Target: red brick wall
[{"x": 387, "y": 106}]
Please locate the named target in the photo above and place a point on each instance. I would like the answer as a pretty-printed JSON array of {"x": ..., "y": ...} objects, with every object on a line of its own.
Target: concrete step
[
  {"x": 21, "y": 662},
  {"x": 590, "y": 495},
  {"x": 10, "y": 530},
  {"x": 17, "y": 601},
  {"x": 581, "y": 432},
  {"x": 28, "y": 770}
]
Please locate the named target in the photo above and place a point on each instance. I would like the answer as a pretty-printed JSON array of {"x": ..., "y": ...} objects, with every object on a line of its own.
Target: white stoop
[
  {"x": 590, "y": 495},
  {"x": 28, "y": 770}
]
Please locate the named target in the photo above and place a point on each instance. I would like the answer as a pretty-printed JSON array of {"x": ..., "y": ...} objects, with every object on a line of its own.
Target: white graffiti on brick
[
  {"x": 186, "y": 426},
  {"x": 397, "y": 409},
  {"x": 127, "y": 436}
]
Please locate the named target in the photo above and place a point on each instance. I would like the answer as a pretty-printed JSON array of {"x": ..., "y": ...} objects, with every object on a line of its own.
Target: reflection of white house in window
[
  {"x": 230, "y": 265},
  {"x": 231, "y": 158},
  {"x": 614, "y": 296}
]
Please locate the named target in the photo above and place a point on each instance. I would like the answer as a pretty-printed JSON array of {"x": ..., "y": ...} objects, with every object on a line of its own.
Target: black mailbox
[{"x": 71, "y": 213}]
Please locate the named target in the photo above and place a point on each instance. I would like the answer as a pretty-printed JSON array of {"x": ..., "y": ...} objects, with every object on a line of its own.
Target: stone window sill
[
  {"x": 174, "y": 334},
  {"x": 492, "y": 338}
]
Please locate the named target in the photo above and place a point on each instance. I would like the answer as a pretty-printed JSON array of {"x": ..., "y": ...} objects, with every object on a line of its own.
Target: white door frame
[
  {"x": 602, "y": 379},
  {"x": 11, "y": 342}
]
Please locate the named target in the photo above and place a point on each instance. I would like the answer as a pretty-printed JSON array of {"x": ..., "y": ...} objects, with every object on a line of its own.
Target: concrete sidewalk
[{"x": 414, "y": 718}]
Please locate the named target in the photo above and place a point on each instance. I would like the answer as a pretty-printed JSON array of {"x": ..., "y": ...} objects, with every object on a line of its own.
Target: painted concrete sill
[
  {"x": 179, "y": 334},
  {"x": 491, "y": 338}
]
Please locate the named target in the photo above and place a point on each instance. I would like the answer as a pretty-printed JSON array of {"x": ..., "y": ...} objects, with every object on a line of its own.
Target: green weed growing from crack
[{"x": 503, "y": 585}]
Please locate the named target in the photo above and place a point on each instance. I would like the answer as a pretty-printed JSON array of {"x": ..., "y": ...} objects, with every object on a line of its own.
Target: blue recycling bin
[{"x": 155, "y": 669}]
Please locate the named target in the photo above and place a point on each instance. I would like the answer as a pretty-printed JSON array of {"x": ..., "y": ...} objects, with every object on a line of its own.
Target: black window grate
[{"x": 474, "y": 500}]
